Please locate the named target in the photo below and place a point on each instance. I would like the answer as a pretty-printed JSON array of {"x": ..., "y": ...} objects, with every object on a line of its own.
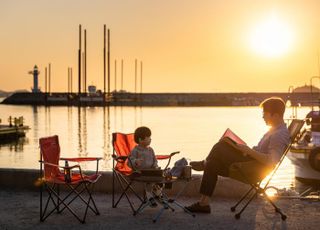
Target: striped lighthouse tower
[{"x": 35, "y": 72}]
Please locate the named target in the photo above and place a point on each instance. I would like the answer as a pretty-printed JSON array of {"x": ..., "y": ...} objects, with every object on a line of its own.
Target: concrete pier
[{"x": 26, "y": 179}]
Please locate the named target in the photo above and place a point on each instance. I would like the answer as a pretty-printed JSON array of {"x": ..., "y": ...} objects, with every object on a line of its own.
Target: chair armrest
[
  {"x": 59, "y": 166},
  {"x": 50, "y": 164},
  {"x": 174, "y": 153},
  {"x": 164, "y": 157},
  {"x": 64, "y": 167},
  {"x": 81, "y": 159},
  {"x": 119, "y": 158}
]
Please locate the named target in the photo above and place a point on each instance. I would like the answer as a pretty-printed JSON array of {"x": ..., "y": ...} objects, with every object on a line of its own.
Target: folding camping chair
[
  {"x": 125, "y": 176},
  {"x": 244, "y": 171},
  {"x": 53, "y": 176}
]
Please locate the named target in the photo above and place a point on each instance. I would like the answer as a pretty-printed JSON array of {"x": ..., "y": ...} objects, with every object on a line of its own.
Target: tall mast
[
  {"x": 108, "y": 62},
  {"x": 121, "y": 74},
  {"x": 115, "y": 75},
  {"x": 79, "y": 62},
  {"x": 85, "y": 61},
  {"x": 49, "y": 85},
  {"x": 141, "y": 77},
  {"x": 104, "y": 60},
  {"x": 135, "y": 75}
]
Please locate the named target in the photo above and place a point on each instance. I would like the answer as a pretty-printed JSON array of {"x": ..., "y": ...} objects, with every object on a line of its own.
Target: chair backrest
[
  {"x": 50, "y": 153},
  {"x": 294, "y": 129},
  {"x": 122, "y": 145}
]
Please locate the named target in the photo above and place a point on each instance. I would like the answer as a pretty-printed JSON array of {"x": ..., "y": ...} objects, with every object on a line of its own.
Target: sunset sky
[{"x": 185, "y": 45}]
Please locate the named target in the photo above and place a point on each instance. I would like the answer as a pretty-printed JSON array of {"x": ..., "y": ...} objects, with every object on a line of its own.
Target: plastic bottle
[{"x": 67, "y": 174}]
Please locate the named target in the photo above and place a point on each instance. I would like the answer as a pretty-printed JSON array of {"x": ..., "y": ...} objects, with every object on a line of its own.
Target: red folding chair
[
  {"x": 76, "y": 183},
  {"x": 122, "y": 146}
]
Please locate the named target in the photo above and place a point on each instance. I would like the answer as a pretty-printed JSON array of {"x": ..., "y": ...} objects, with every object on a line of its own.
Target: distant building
[{"x": 306, "y": 89}]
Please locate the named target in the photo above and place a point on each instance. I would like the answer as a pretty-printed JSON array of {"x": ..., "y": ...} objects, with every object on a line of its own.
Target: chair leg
[
  {"x": 54, "y": 191},
  {"x": 181, "y": 206},
  {"x": 121, "y": 180},
  {"x": 165, "y": 205},
  {"x": 58, "y": 203},
  {"x": 260, "y": 191},
  {"x": 124, "y": 193},
  {"x": 142, "y": 206},
  {"x": 86, "y": 187},
  {"x": 74, "y": 190},
  {"x": 89, "y": 191},
  {"x": 237, "y": 216},
  {"x": 113, "y": 184},
  {"x": 233, "y": 208},
  {"x": 278, "y": 210},
  {"x": 49, "y": 190},
  {"x": 158, "y": 214},
  {"x": 41, "y": 187}
]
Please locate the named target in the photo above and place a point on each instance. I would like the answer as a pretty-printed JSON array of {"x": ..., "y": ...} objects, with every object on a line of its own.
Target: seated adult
[{"x": 224, "y": 153}]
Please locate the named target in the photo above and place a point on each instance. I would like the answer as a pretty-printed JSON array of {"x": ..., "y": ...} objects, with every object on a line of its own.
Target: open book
[{"x": 233, "y": 137}]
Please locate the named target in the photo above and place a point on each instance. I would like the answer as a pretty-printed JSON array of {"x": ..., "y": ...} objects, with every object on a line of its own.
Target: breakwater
[{"x": 157, "y": 99}]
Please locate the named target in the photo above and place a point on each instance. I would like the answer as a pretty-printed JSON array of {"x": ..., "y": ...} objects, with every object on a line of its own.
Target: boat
[
  {"x": 305, "y": 153},
  {"x": 14, "y": 130},
  {"x": 305, "y": 171}
]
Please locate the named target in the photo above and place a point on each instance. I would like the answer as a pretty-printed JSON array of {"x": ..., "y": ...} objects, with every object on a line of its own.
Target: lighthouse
[{"x": 35, "y": 72}]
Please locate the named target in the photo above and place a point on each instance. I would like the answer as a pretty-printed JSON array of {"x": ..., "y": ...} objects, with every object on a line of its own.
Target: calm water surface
[{"x": 86, "y": 131}]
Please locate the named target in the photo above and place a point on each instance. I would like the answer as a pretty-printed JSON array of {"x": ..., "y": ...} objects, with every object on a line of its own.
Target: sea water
[{"x": 87, "y": 131}]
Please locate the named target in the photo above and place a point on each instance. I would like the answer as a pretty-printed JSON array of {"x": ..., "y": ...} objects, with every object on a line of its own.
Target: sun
[{"x": 271, "y": 37}]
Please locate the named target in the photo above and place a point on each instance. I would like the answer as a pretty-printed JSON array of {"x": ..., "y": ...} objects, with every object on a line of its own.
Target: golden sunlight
[{"x": 271, "y": 37}]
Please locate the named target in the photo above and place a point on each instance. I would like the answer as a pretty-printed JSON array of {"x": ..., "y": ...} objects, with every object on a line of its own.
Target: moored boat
[
  {"x": 14, "y": 130},
  {"x": 306, "y": 164},
  {"x": 305, "y": 154}
]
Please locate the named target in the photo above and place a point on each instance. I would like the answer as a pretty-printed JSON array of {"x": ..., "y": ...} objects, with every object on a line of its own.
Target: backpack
[{"x": 177, "y": 170}]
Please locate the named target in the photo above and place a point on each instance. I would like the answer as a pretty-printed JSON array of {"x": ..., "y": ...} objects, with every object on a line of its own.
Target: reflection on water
[
  {"x": 87, "y": 131},
  {"x": 14, "y": 145}
]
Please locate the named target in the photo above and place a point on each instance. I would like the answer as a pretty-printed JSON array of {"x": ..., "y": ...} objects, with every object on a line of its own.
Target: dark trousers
[{"x": 218, "y": 161}]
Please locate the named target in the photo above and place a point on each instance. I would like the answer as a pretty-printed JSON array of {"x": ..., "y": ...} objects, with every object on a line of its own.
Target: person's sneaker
[
  {"x": 197, "y": 165},
  {"x": 196, "y": 207}
]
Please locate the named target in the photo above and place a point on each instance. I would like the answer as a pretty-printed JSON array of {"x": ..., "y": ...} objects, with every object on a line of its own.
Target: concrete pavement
[{"x": 20, "y": 210}]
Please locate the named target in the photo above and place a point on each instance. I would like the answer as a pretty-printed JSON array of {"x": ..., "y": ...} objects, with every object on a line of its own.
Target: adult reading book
[{"x": 224, "y": 153}]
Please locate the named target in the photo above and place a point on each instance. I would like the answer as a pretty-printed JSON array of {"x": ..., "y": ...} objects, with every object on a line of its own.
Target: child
[{"x": 143, "y": 157}]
